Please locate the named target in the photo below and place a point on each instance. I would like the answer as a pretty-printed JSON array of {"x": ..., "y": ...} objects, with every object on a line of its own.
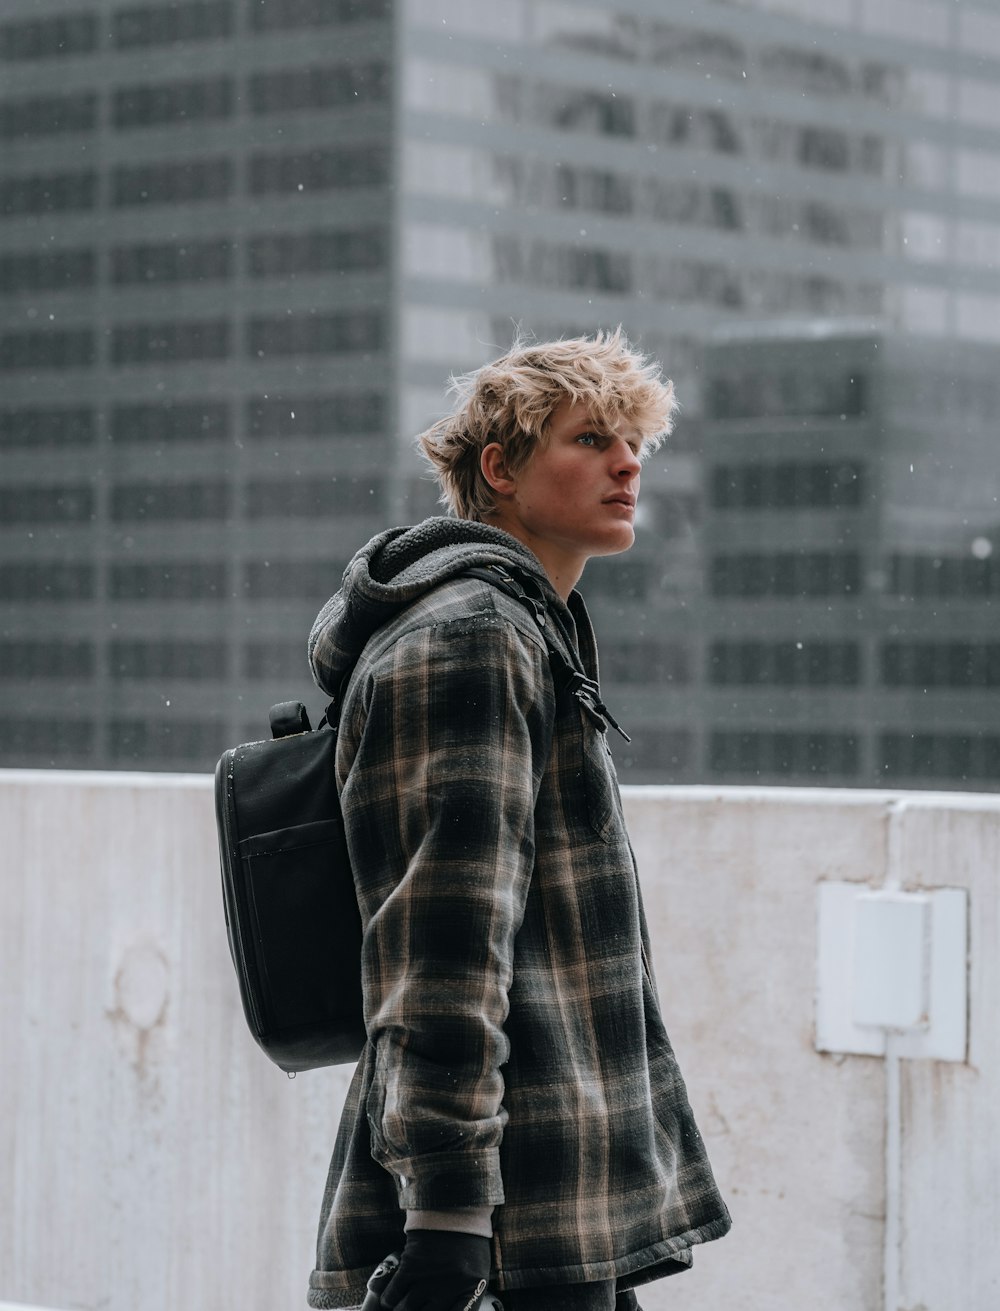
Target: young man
[{"x": 517, "y": 1116}]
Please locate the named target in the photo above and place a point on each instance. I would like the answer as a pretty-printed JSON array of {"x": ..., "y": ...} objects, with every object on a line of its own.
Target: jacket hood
[{"x": 396, "y": 568}]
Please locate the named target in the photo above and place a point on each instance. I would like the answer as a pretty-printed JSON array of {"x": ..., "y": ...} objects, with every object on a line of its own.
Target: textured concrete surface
[{"x": 151, "y": 1156}]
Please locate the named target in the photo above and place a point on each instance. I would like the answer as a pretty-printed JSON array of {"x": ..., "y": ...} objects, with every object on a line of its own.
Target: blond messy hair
[{"x": 511, "y": 402}]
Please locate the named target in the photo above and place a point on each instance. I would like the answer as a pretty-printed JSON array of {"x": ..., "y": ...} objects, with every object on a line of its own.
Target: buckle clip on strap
[{"x": 584, "y": 689}]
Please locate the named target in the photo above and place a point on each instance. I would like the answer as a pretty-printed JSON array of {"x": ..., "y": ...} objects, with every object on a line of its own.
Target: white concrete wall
[{"x": 151, "y": 1157}]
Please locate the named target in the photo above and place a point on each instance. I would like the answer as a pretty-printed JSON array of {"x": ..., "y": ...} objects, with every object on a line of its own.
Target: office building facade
[{"x": 245, "y": 241}]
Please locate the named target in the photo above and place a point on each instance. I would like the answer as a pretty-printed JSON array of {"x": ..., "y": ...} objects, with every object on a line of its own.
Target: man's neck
[{"x": 562, "y": 569}]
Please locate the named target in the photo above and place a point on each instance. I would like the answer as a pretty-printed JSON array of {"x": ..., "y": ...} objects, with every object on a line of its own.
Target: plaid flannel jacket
[{"x": 516, "y": 1057}]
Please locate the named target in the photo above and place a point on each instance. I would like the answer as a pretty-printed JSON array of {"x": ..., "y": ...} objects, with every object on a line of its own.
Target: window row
[
  {"x": 941, "y": 664},
  {"x": 137, "y": 25},
  {"x": 199, "y": 100},
  {"x": 920, "y": 577},
  {"x": 195, "y": 659},
  {"x": 570, "y": 266},
  {"x": 789, "y": 394},
  {"x": 790, "y": 485},
  {"x": 786, "y": 574},
  {"x": 278, "y": 498},
  {"x": 957, "y": 757},
  {"x": 47, "y": 425},
  {"x": 784, "y": 752},
  {"x": 172, "y": 342},
  {"x": 325, "y": 250},
  {"x": 204, "y": 179},
  {"x": 192, "y": 502},
  {"x": 43, "y": 581},
  {"x": 349, "y": 413},
  {"x": 676, "y": 123},
  {"x": 927, "y": 664},
  {"x": 899, "y": 756},
  {"x": 785, "y": 664},
  {"x": 520, "y": 180}
]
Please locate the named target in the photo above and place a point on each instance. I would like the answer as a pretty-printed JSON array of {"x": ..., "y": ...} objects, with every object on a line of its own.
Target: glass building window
[
  {"x": 785, "y": 664},
  {"x": 792, "y": 394},
  {"x": 275, "y": 659},
  {"x": 284, "y": 15},
  {"x": 179, "y": 421},
  {"x": 70, "y": 349},
  {"x": 941, "y": 664},
  {"x": 663, "y": 751},
  {"x": 40, "y": 116},
  {"x": 329, "y": 86},
  {"x": 337, "y": 168},
  {"x": 786, "y": 574},
  {"x": 948, "y": 757},
  {"x": 195, "y": 101},
  {"x": 161, "y": 25},
  {"x": 288, "y": 498},
  {"x": 967, "y": 578},
  {"x": 46, "y": 740},
  {"x": 316, "y": 334},
  {"x": 178, "y": 502},
  {"x": 170, "y": 581},
  {"x": 596, "y": 112},
  {"x": 68, "y": 504},
  {"x": 645, "y": 661},
  {"x": 48, "y": 426},
  {"x": 788, "y": 486},
  {"x": 167, "y": 659},
  {"x": 47, "y": 580},
  {"x": 48, "y": 38},
  {"x": 29, "y": 659},
  {"x": 48, "y": 193},
  {"x": 57, "y": 270},
  {"x": 566, "y": 267},
  {"x": 784, "y": 753},
  {"x": 624, "y": 580},
  {"x": 317, "y": 415},
  {"x": 189, "y": 261},
  {"x": 180, "y": 183},
  {"x": 321, "y": 251},
  {"x": 190, "y": 740},
  {"x": 156, "y": 343},
  {"x": 300, "y": 580}
]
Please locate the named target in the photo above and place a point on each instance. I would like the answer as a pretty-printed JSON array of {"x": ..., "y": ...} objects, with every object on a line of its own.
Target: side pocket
[{"x": 306, "y": 924}]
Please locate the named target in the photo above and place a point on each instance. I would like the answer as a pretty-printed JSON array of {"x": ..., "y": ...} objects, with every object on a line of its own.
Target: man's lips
[{"x": 622, "y": 498}]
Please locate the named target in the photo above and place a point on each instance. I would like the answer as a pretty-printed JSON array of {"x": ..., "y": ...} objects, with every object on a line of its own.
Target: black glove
[{"x": 439, "y": 1270}]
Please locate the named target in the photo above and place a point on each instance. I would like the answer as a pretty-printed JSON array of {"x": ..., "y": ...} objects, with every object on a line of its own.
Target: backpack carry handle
[{"x": 288, "y": 718}]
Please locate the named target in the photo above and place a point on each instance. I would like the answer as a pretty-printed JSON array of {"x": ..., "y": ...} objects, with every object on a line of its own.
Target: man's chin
[{"x": 618, "y": 542}]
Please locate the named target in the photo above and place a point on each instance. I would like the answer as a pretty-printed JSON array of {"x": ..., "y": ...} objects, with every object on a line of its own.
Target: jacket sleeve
[{"x": 438, "y": 805}]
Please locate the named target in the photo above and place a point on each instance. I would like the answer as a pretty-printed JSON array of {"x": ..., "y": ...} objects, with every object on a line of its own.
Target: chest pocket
[{"x": 599, "y": 779}]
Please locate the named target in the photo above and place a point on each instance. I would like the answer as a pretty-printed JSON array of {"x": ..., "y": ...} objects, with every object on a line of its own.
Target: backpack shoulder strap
[{"x": 567, "y": 676}]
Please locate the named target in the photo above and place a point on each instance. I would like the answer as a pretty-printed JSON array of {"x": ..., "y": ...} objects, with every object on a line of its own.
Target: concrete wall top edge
[
  {"x": 816, "y": 797},
  {"x": 95, "y": 778},
  {"x": 695, "y": 793}
]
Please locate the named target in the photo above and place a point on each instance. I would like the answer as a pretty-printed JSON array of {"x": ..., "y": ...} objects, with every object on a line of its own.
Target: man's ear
[{"x": 494, "y": 469}]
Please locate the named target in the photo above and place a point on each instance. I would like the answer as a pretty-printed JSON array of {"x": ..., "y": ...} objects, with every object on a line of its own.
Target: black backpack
[{"x": 288, "y": 888}]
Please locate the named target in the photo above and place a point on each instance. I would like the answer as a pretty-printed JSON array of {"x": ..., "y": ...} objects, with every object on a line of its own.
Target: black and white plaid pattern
[{"x": 517, "y": 1056}]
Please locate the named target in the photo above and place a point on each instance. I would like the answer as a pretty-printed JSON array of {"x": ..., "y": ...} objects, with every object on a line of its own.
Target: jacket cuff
[
  {"x": 467, "y": 1220},
  {"x": 450, "y": 1181}
]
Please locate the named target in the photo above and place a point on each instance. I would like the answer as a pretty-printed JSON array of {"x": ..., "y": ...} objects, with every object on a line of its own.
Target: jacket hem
[
  {"x": 621, "y": 1269},
  {"x": 329, "y": 1289}
]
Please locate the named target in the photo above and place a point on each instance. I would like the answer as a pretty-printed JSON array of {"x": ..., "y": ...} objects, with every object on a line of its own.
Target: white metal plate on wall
[{"x": 892, "y": 962}]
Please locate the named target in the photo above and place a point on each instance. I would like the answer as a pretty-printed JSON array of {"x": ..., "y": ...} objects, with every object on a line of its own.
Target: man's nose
[{"x": 627, "y": 463}]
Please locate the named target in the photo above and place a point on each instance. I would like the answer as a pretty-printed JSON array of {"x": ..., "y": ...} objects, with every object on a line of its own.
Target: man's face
[{"x": 576, "y": 495}]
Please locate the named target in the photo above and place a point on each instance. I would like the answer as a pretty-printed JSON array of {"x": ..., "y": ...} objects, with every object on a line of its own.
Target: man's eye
[{"x": 588, "y": 438}]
